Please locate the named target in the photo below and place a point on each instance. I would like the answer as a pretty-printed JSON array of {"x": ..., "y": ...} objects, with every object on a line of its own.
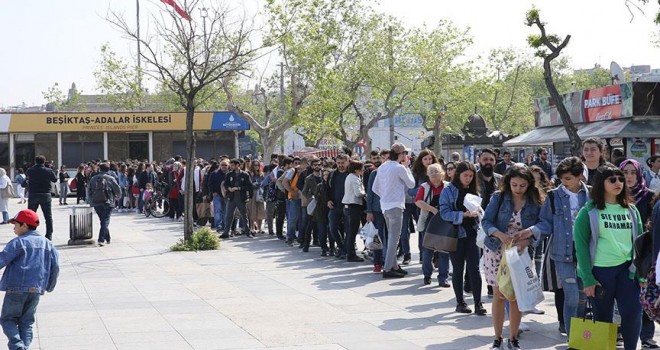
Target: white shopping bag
[
  {"x": 369, "y": 233},
  {"x": 473, "y": 203},
  {"x": 526, "y": 283}
]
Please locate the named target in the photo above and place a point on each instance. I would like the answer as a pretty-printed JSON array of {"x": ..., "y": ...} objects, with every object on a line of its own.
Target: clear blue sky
[{"x": 59, "y": 41}]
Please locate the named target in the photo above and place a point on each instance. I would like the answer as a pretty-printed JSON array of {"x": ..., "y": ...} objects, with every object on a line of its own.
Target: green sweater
[{"x": 614, "y": 242}]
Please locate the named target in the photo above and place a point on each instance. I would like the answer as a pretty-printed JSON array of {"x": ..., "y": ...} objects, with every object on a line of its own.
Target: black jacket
[
  {"x": 39, "y": 179},
  {"x": 240, "y": 180}
]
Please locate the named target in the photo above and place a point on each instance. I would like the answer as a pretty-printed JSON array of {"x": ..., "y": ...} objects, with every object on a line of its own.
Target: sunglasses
[
  {"x": 450, "y": 168},
  {"x": 614, "y": 179}
]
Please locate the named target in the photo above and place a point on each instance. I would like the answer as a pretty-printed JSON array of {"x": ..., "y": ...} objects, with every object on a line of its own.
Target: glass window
[{"x": 80, "y": 148}]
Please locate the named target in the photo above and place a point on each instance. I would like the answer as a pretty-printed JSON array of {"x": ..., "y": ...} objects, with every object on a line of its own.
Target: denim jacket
[
  {"x": 498, "y": 219},
  {"x": 560, "y": 224},
  {"x": 31, "y": 264},
  {"x": 448, "y": 211}
]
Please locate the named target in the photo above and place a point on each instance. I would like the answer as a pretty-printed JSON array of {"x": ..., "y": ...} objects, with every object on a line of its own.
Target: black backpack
[{"x": 99, "y": 188}]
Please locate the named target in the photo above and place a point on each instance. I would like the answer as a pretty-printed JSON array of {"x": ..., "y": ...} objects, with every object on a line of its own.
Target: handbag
[
  {"x": 8, "y": 192},
  {"x": 587, "y": 334},
  {"x": 259, "y": 195},
  {"x": 441, "y": 235},
  {"x": 73, "y": 185},
  {"x": 204, "y": 210}
]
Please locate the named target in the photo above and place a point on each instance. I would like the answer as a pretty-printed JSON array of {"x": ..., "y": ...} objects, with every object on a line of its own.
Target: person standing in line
[
  {"x": 335, "y": 194},
  {"x": 256, "y": 205},
  {"x": 375, "y": 214},
  {"x": 642, "y": 197},
  {"x": 354, "y": 195},
  {"x": 102, "y": 192},
  {"x": 505, "y": 164},
  {"x": 293, "y": 203},
  {"x": 31, "y": 269},
  {"x": 593, "y": 151},
  {"x": 510, "y": 217},
  {"x": 6, "y": 193},
  {"x": 604, "y": 232},
  {"x": 39, "y": 179},
  {"x": 391, "y": 183},
  {"x": 652, "y": 174},
  {"x": 237, "y": 186},
  {"x": 452, "y": 209},
  {"x": 428, "y": 200},
  {"x": 542, "y": 162},
  {"x": 216, "y": 177},
  {"x": 63, "y": 184},
  {"x": 312, "y": 182}
]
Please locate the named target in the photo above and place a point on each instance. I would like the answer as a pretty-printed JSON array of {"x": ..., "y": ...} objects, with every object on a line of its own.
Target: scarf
[{"x": 640, "y": 190}]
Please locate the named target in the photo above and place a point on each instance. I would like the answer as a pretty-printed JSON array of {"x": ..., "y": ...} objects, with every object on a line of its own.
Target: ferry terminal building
[{"x": 78, "y": 137}]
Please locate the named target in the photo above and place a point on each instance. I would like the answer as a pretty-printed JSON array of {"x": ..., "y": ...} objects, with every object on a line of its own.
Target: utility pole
[
  {"x": 391, "y": 67},
  {"x": 139, "y": 68}
]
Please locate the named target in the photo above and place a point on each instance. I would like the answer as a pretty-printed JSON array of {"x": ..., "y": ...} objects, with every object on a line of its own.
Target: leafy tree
[
  {"x": 72, "y": 102},
  {"x": 191, "y": 59},
  {"x": 119, "y": 82},
  {"x": 549, "y": 47}
]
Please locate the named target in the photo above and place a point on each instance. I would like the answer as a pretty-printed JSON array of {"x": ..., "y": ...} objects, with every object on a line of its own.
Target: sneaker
[
  {"x": 650, "y": 344},
  {"x": 406, "y": 259},
  {"x": 490, "y": 291},
  {"x": 401, "y": 271},
  {"x": 427, "y": 281},
  {"x": 443, "y": 284},
  {"x": 619, "y": 340},
  {"x": 562, "y": 329},
  {"x": 354, "y": 259},
  {"x": 497, "y": 344},
  {"x": 100, "y": 244},
  {"x": 524, "y": 327},
  {"x": 378, "y": 268},
  {"x": 513, "y": 344},
  {"x": 392, "y": 274},
  {"x": 463, "y": 308},
  {"x": 537, "y": 311},
  {"x": 479, "y": 309}
]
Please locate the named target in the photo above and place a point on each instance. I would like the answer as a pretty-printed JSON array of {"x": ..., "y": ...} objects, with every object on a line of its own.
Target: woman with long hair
[
  {"x": 510, "y": 217},
  {"x": 541, "y": 178},
  {"x": 452, "y": 209},
  {"x": 604, "y": 232},
  {"x": 450, "y": 170},
  {"x": 63, "y": 183},
  {"x": 174, "y": 195},
  {"x": 256, "y": 206},
  {"x": 81, "y": 184}
]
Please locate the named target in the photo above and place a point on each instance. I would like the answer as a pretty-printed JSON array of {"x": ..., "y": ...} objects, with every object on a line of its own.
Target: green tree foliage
[
  {"x": 72, "y": 102},
  {"x": 119, "y": 82}
]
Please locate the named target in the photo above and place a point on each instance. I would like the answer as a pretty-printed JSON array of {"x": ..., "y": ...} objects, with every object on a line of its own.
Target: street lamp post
[{"x": 204, "y": 12}]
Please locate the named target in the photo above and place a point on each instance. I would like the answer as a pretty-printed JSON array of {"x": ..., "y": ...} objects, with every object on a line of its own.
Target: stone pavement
[{"x": 250, "y": 294}]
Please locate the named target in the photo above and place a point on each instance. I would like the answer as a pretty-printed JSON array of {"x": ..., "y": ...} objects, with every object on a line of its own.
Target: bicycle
[{"x": 158, "y": 205}]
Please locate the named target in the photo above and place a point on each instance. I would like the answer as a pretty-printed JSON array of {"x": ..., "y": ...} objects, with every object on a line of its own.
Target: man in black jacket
[
  {"x": 238, "y": 186},
  {"x": 39, "y": 179}
]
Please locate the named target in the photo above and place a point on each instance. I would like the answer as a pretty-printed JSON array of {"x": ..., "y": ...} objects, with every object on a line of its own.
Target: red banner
[{"x": 603, "y": 103}]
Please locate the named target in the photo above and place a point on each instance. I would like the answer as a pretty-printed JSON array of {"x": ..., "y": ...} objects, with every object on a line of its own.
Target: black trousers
[{"x": 43, "y": 200}]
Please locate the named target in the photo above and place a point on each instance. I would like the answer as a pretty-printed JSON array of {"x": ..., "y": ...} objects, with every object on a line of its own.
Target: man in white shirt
[{"x": 391, "y": 184}]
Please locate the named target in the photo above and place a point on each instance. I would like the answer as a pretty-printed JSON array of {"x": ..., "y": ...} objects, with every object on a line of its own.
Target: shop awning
[{"x": 604, "y": 129}]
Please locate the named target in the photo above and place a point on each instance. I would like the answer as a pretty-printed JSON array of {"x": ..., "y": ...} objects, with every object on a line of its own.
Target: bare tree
[
  {"x": 191, "y": 58},
  {"x": 554, "y": 44}
]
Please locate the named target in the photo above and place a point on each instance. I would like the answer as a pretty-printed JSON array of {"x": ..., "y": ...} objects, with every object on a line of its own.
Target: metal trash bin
[{"x": 80, "y": 225}]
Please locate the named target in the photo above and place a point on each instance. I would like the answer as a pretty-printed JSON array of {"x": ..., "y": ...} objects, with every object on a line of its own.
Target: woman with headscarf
[{"x": 642, "y": 199}]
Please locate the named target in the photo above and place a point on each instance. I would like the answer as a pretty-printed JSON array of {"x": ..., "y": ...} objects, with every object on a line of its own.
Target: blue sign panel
[{"x": 228, "y": 121}]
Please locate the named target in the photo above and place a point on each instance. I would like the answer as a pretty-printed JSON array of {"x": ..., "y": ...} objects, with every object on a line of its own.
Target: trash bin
[{"x": 80, "y": 225}]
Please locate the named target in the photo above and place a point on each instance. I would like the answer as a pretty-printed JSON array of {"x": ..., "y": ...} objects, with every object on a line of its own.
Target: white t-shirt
[{"x": 573, "y": 199}]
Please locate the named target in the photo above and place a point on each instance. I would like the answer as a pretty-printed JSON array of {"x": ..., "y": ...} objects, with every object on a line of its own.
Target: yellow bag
[
  {"x": 504, "y": 277},
  {"x": 588, "y": 334}
]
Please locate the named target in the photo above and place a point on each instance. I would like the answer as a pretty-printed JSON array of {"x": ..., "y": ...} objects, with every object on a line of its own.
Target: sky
[{"x": 46, "y": 42}]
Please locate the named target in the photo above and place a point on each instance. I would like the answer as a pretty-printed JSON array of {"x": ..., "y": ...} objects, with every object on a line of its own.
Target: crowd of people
[{"x": 578, "y": 222}]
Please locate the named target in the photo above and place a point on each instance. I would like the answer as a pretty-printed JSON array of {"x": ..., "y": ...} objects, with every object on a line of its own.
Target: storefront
[
  {"x": 625, "y": 116},
  {"x": 73, "y": 138}
]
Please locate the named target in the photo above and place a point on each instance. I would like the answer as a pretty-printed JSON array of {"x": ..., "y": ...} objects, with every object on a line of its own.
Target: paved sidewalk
[{"x": 251, "y": 294}]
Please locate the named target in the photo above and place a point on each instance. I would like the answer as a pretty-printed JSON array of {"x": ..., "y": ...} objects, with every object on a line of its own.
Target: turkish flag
[{"x": 177, "y": 8}]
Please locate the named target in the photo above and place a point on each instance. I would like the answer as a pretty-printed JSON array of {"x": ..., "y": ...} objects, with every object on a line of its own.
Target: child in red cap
[{"x": 31, "y": 269}]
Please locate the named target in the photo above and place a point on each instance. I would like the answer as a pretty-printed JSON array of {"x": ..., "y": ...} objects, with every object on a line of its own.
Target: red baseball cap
[{"x": 27, "y": 217}]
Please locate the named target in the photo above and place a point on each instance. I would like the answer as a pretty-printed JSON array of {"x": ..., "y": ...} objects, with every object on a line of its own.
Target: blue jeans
[
  {"x": 292, "y": 214},
  {"x": 104, "y": 212},
  {"x": 17, "y": 318},
  {"x": 5, "y": 216},
  {"x": 218, "y": 212},
  {"x": 379, "y": 223},
  {"x": 625, "y": 290},
  {"x": 336, "y": 218},
  {"x": 44, "y": 200},
  {"x": 574, "y": 298}
]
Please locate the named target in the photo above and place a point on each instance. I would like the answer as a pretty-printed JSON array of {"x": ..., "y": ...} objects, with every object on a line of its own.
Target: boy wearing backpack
[
  {"x": 102, "y": 192},
  {"x": 557, "y": 218}
]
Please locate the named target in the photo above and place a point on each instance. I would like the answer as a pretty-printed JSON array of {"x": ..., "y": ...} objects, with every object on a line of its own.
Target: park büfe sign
[
  {"x": 120, "y": 122},
  {"x": 606, "y": 103}
]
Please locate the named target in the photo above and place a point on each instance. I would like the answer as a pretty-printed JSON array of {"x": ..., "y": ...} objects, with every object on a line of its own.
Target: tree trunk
[
  {"x": 571, "y": 130},
  {"x": 268, "y": 143},
  {"x": 190, "y": 166},
  {"x": 437, "y": 137}
]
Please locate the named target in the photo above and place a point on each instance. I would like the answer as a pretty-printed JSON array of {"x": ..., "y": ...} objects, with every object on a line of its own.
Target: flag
[{"x": 177, "y": 8}]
